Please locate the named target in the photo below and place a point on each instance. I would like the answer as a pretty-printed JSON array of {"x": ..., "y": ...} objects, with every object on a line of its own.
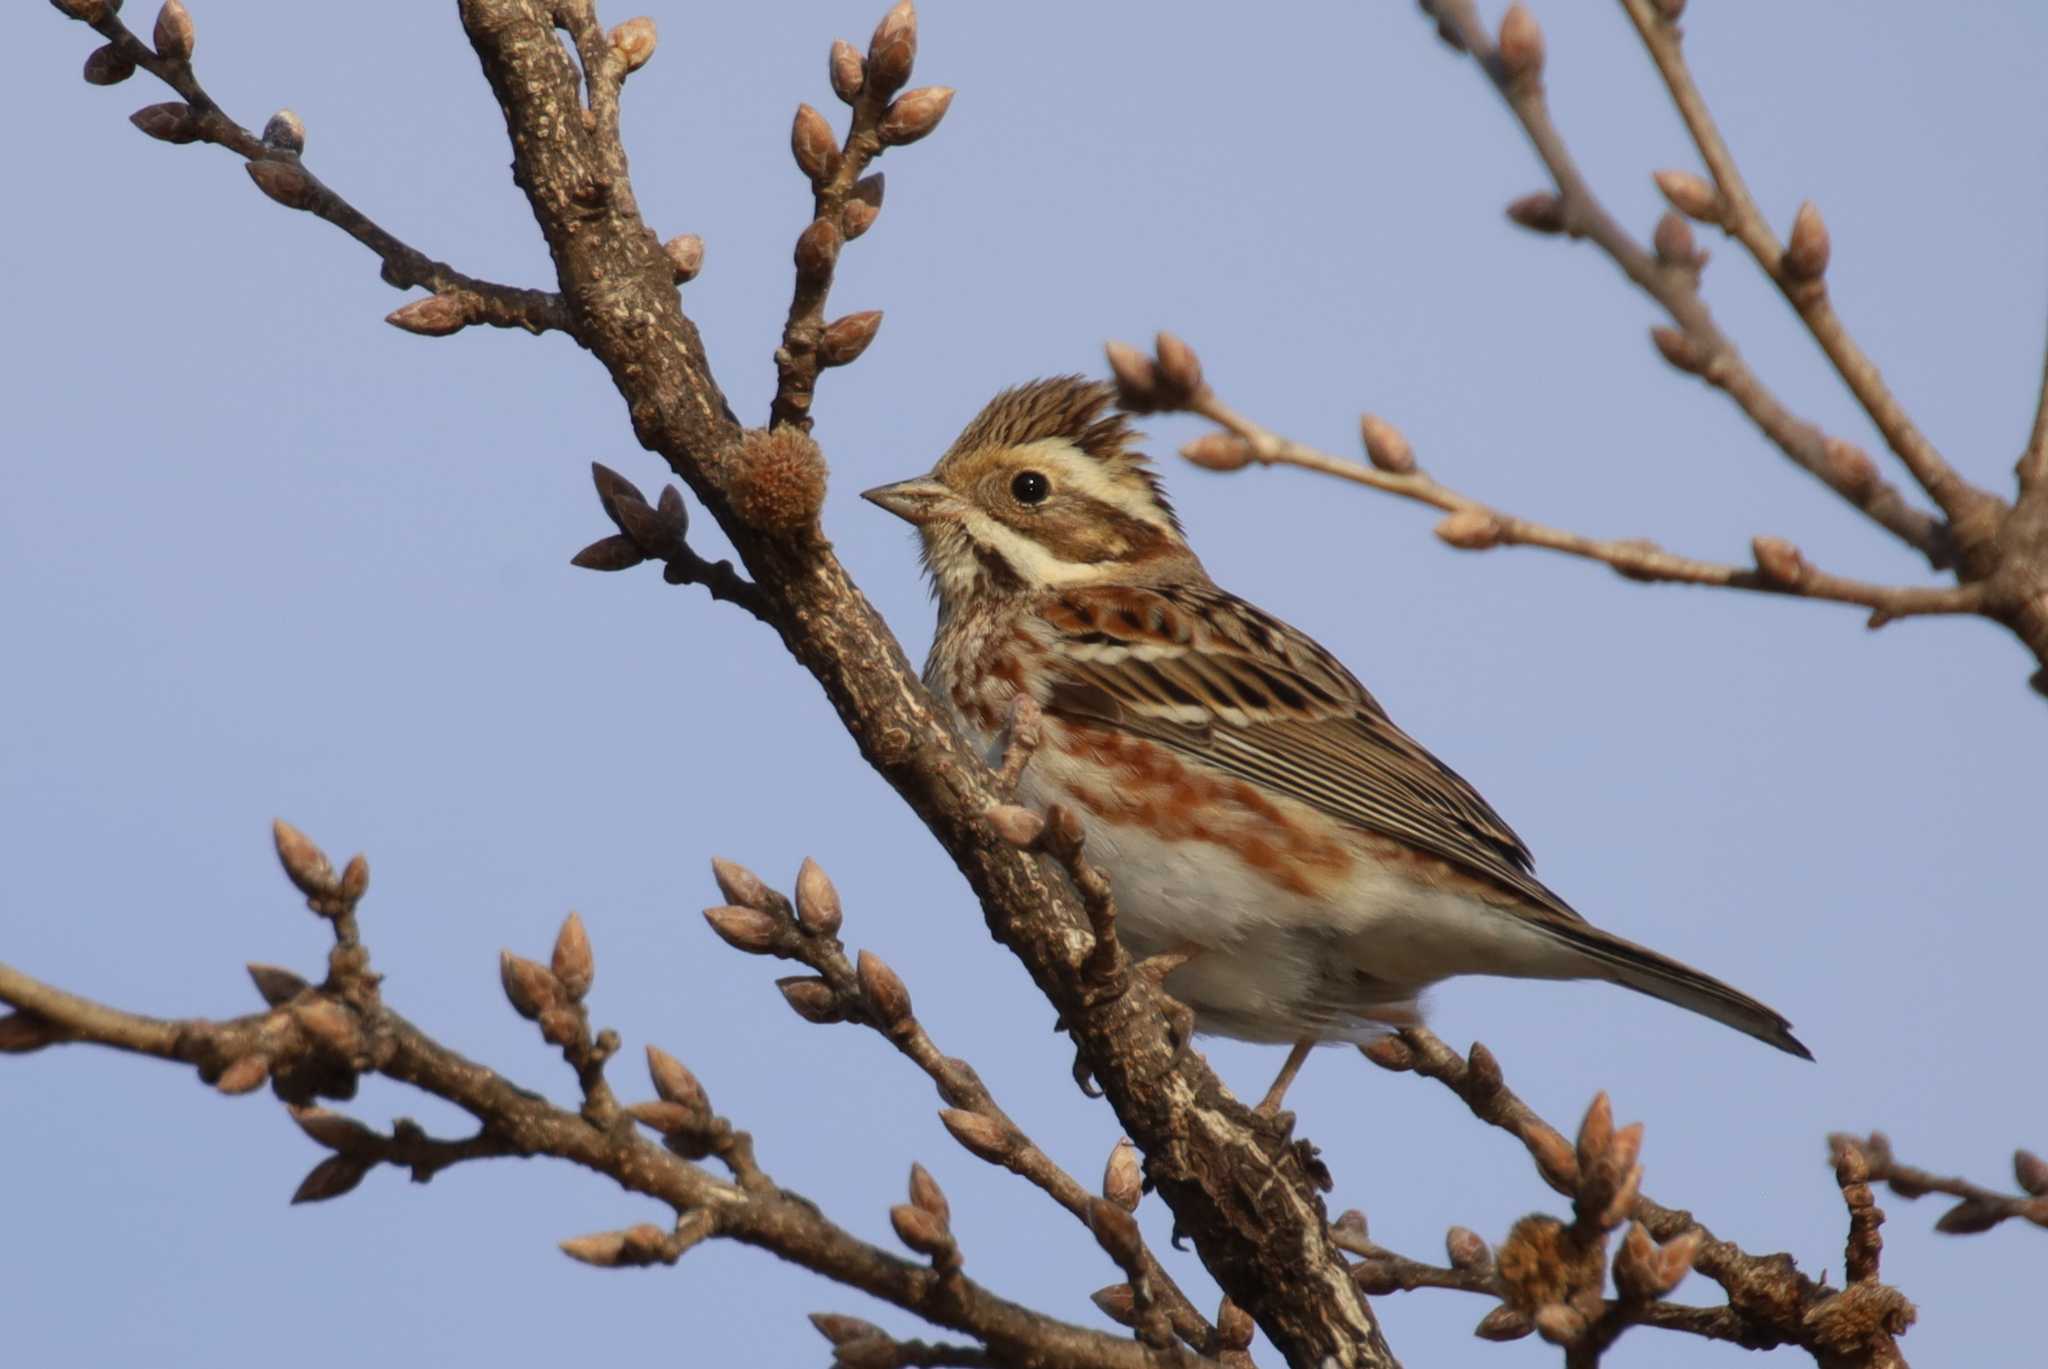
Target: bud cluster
[{"x": 1169, "y": 380}]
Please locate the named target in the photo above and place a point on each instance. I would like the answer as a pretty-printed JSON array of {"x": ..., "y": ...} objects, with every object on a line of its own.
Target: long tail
[{"x": 1639, "y": 968}]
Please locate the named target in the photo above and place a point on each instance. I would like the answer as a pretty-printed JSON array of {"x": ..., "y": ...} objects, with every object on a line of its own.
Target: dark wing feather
[{"x": 1218, "y": 682}]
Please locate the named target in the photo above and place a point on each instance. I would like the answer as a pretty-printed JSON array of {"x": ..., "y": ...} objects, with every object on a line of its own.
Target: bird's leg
[{"x": 1269, "y": 1106}]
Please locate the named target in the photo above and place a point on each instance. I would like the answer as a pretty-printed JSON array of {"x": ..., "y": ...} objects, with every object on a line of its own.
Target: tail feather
[{"x": 1645, "y": 971}]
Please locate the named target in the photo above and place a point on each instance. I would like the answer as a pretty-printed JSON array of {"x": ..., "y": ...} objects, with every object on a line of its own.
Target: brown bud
[
  {"x": 1674, "y": 1261},
  {"x": 914, "y": 114},
  {"x": 1385, "y": 445},
  {"x": 817, "y": 248},
  {"x": 665, "y": 1117},
  {"x": 745, "y": 929},
  {"x": 332, "y": 1177},
  {"x": 984, "y": 1137},
  {"x": 685, "y": 253},
  {"x": 1482, "y": 1070},
  {"x": 778, "y": 484},
  {"x": 1674, "y": 241},
  {"x": 286, "y": 132},
  {"x": 602, "y": 1248},
  {"x": 434, "y": 316},
  {"x": 1015, "y": 824},
  {"x": 286, "y": 182},
  {"x": 811, "y": 997},
  {"x": 1559, "y": 1324},
  {"x": 1117, "y": 1302},
  {"x": 276, "y": 985},
  {"x": 633, "y": 42},
  {"x": 926, "y": 1193},
  {"x": 244, "y": 1075},
  {"x": 529, "y": 985},
  {"x": 1123, "y": 1182},
  {"x": 1503, "y": 1323},
  {"x": 1806, "y": 255},
  {"x": 812, "y": 143},
  {"x": 1670, "y": 9},
  {"x": 1470, "y": 530},
  {"x": 1137, "y": 378},
  {"x": 1849, "y": 467},
  {"x": 2031, "y": 1171},
  {"x": 174, "y": 32},
  {"x": 839, "y": 1328},
  {"x": 1389, "y": 1053},
  {"x": 1541, "y": 212},
  {"x": 331, "y": 1129},
  {"x": 1180, "y": 370},
  {"x": 1116, "y": 1231},
  {"x": 1678, "y": 349},
  {"x": 1468, "y": 1250},
  {"x": 172, "y": 121},
  {"x": 674, "y": 1082},
  {"x": 1692, "y": 196},
  {"x": 817, "y": 902},
  {"x": 1596, "y": 1131},
  {"x": 886, "y": 997},
  {"x": 1351, "y": 1222},
  {"x": 1234, "y": 1327},
  {"x": 107, "y": 66},
  {"x": 86, "y": 11},
  {"x": 893, "y": 50},
  {"x": 863, "y": 206},
  {"x": 1622, "y": 1204},
  {"x": 741, "y": 885},
  {"x": 920, "y": 1230},
  {"x": 1553, "y": 1156},
  {"x": 305, "y": 864},
  {"x": 572, "y": 962},
  {"x": 1219, "y": 452},
  {"x": 1778, "y": 561},
  {"x": 355, "y": 879},
  {"x": 1521, "y": 43},
  {"x": 846, "y": 338},
  {"x": 1969, "y": 1217},
  {"x": 329, "y": 1025},
  {"x": 847, "y": 69}
]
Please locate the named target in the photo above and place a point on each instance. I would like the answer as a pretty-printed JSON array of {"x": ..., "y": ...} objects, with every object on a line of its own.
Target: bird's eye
[{"x": 1030, "y": 487}]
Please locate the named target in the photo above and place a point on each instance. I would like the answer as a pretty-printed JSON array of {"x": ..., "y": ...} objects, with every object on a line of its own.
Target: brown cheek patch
[{"x": 1151, "y": 789}]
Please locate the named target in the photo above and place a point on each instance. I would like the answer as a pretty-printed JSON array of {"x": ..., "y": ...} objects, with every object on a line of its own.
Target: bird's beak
[{"x": 914, "y": 501}]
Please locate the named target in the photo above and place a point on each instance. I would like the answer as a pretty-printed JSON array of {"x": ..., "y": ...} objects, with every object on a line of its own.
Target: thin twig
[
  {"x": 1781, "y": 570},
  {"x": 992, "y": 1135},
  {"x": 201, "y": 119},
  {"x": 1808, "y": 295},
  {"x": 1981, "y": 1208},
  {"x": 1675, "y": 285}
]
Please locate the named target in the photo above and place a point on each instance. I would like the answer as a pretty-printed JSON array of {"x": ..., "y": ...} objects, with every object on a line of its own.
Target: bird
[{"x": 1253, "y": 806}]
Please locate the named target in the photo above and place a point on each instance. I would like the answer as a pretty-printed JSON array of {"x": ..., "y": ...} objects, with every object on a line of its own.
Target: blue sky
[{"x": 262, "y": 555}]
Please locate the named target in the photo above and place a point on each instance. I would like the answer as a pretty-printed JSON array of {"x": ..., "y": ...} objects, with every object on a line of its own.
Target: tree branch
[
  {"x": 317, "y": 1040},
  {"x": 1672, "y": 279},
  {"x": 1475, "y": 526},
  {"x": 1272, "y": 1257},
  {"x": 275, "y": 165},
  {"x": 1800, "y": 276},
  {"x": 1980, "y": 1209}
]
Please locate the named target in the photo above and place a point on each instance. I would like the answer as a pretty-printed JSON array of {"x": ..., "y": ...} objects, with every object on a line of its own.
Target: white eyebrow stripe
[{"x": 1081, "y": 473}]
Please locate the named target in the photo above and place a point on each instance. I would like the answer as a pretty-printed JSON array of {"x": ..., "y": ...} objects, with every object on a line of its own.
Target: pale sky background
[{"x": 261, "y": 554}]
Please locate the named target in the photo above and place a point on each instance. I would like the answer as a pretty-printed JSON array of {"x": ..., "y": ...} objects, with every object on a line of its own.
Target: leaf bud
[{"x": 914, "y": 115}]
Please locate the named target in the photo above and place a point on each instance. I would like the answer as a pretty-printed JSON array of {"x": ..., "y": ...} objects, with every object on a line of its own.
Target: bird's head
[{"x": 1044, "y": 490}]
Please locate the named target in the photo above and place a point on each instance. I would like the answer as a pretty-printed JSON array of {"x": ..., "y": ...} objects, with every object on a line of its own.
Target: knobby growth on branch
[{"x": 1242, "y": 1188}]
